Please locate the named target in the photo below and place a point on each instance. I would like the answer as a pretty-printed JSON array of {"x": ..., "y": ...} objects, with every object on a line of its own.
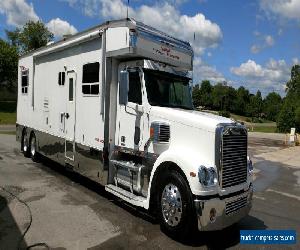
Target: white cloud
[
  {"x": 202, "y": 71},
  {"x": 296, "y": 61},
  {"x": 60, "y": 27},
  {"x": 264, "y": 41},
  {"x": 17, "y": 12},
  {"x": 289, "y": 9},
  {"x": 255, "y": 49},
  {"x": 162, "y": 16},
  {"x": 272, "y": 76},
  {"x": 269, "y": 40},
  {"x": 249, "y": 68}
]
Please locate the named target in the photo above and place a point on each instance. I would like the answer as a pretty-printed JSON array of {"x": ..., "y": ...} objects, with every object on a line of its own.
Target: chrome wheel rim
[
  {"x": 171, "y": 205},
  {"x": 32, "y": 146},
  {"x": 24, "y": 144}
]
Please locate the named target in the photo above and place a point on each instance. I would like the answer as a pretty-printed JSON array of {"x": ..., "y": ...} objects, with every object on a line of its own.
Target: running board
[{"x": 127, "y": 196}]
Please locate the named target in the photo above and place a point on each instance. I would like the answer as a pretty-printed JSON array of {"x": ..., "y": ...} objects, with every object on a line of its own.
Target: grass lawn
[
  {"x": 264, "y": 129},
  {"x": 7, "y": 132},
  {"x": 7, "y": 118}
]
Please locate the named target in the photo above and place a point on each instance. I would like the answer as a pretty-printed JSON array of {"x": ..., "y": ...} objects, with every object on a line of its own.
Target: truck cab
[{"x": 188, "y": 165}]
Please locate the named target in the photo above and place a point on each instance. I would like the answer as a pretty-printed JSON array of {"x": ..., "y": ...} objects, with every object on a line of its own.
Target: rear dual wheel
[
  {"x": 25, "y": 145},
  {"x": 33, "y": 148}
]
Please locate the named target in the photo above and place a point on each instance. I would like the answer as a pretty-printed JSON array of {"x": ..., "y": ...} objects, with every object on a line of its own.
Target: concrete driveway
[{"x": 71, "y": 212}]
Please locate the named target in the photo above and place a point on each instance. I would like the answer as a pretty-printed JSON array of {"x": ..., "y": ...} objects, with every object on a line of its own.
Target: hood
[{"x": 190, "y": 118}]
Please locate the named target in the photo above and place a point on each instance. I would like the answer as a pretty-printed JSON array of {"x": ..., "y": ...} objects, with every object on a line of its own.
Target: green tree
[
  {"x": 272, "y": 105},
  {"x": 205, "y": 92},
  {"x": 255, "y": 105},
  {"x": 32, "y": 36},
  {"x": 196, "y": 94},
  {"x": 8, "y": 65},
  {"x": 297, "y": 118},
  {"x": 286, "y": 118},
  {"x": 289, "y": 112},
  {"x": 242, "y": 100},
  {"x": 218, "y": 96}
]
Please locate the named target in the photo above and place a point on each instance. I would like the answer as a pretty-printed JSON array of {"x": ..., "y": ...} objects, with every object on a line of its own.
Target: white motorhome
[{"x": 114, "y": 104}]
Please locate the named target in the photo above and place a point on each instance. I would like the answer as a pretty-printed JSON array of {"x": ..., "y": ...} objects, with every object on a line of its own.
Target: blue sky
[{"x": 249, "y": 43}]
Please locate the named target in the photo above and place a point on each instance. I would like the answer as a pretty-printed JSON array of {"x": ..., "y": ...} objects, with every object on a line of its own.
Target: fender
[{"x": 188, "y": 161}]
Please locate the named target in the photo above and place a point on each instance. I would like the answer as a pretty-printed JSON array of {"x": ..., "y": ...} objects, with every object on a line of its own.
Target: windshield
[{"x": 167, "y": 90}]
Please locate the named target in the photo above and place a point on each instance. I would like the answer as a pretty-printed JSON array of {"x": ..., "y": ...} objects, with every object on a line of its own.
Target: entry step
[
  {"x": 131, "y": 198},
  {"x": 127, "y": 165}
]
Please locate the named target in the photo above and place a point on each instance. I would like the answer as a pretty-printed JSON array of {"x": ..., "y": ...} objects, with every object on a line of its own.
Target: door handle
[{"x": 67, "y": 115}]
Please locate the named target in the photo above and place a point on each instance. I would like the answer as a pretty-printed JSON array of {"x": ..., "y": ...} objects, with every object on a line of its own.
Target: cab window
[{"x": 135, "y": 88}]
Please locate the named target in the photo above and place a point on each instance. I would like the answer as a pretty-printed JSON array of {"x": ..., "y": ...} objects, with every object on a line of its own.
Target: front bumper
[{"x": 227, "y": 211}]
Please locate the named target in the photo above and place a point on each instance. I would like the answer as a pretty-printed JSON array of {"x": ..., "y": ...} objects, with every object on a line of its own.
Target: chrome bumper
[{"x": 227, "y": 211}]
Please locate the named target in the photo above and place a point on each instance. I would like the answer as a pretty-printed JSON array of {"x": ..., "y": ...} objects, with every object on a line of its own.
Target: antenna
[{"x": 127, "y": 8}]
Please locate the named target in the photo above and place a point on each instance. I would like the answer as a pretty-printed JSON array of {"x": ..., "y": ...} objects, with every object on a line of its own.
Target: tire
[
  {"x": 176, "y": 211},
  {"x": 33, "y": 148},
  {"x": 24, "y": 145}
]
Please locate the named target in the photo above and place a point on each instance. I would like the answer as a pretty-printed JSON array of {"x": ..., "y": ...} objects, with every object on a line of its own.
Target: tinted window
[
  {"x": 63, "y": 77},
  {"x": 59, "y": 78},
  {"x": 95, "y": 89},
  {"x": 134, "y": 93},
  {"x": 90, "y": 73},
  {"x": 86, "y": 89},
  {"x": 71, "y": 89},
  {"x": 24, "y": 81}
]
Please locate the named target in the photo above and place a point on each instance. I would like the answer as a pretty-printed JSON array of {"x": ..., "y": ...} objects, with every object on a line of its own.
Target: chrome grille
[
  {"x": 234, "y": 156},
  {"x": 234, "y": 206}
]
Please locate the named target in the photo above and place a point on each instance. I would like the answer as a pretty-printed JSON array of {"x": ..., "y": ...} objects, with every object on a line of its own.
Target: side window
[
  {"x": 61, "y": 78},
  {"x": 135, "y": 88},
  {"x": 71, "y": 90},
  {"x": 25, "y": 81},
  {"x": 90, "y": 78}
]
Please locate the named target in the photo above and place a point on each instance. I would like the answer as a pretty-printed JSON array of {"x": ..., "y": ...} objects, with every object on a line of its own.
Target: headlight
[
  {"x": 249, "y": 165},
  {"x": 207, "y": 176}
]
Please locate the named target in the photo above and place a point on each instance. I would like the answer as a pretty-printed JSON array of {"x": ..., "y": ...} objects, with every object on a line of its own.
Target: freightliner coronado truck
[{"x": 114, "y": 104}]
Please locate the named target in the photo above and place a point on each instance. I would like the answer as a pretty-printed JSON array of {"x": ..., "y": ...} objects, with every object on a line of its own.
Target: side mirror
[{"x": 123, "y": 87}]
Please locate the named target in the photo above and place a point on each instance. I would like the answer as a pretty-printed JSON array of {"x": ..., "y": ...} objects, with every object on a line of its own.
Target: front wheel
[{"x": 175, "y": 205}]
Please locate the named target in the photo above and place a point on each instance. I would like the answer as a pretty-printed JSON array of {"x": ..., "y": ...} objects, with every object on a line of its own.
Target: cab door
[
  {"x": 70, "y": 118},
  {"x": 130, "y": 116}
]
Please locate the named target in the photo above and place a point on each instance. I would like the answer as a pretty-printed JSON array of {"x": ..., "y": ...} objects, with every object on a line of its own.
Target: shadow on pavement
[
  {"x": 213, "y": 240},
  {"x": 95, "y": 187},
  {"x": 10, "y": 233},
  {"x": 225, "y": 238}
]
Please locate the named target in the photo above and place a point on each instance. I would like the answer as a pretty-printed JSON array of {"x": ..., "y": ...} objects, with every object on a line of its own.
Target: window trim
[
  {"x": 92, "y": 83},
  {"x": 61, "y": 83},
  {"x": 141, "y": 86},
  {"x": 24, "y": 72}
]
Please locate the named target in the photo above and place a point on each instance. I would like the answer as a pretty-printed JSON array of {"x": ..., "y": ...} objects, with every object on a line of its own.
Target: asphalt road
[{"x": 70, "y": 212}]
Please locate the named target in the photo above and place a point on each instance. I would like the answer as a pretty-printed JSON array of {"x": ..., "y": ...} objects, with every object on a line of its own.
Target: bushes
[
  {"x": 286, "y": 118},
  {"x": 297, "y": 119},
  {"x": 224, "y": 113}
]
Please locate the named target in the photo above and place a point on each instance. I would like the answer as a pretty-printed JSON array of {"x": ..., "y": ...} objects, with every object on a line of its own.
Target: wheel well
[
  {"x": 31, "y": 134},
  {"x": 161, "y": 169},
  {"x": 22, "y": 137}
]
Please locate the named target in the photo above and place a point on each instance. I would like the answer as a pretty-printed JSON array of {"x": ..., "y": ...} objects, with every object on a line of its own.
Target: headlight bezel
[{"x": 207, "y": 176}]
